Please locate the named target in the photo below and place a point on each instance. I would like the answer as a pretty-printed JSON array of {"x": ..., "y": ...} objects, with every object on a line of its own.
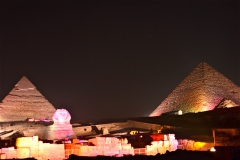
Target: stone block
[
  {"x": 24, "y": 142},
  {"x": 23, "y": 152}
]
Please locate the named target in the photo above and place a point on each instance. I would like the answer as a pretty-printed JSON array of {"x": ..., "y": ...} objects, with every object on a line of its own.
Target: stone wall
[
  {"x": 143, "y": 125},
  {"x": 87, "y": 130},
  {"x": 113, "y": 126},
  {"x": 27, "y": 128},
  {"x": 168, "y": 144},
  {"x": 191, "y": 145},
  {"x": 82, "y": 130}
]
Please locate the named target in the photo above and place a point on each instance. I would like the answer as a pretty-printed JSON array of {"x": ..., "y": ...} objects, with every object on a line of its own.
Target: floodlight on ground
[{"x": 212, "y": 149}]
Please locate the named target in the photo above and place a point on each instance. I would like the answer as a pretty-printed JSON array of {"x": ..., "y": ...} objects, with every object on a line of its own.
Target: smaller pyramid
[
  {"x": 226, "y": 103},
  {"x": 25, "y": 101},
  {"x": 202, "y": 90}
]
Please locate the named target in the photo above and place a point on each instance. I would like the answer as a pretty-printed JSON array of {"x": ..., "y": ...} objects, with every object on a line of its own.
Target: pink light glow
[{"x": 61, "y": 116}]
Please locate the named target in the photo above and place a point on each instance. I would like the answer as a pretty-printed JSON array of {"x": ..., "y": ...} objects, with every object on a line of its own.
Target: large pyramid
[
  {"x": 25, "y": 101},
  {"x": 202, "y": 90}
]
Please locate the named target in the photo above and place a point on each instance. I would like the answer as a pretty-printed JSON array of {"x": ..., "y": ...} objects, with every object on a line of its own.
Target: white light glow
[{"x": 212, "y": 149}]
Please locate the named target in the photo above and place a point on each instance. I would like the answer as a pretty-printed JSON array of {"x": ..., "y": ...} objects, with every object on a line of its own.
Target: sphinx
[{"x": 61, "y": 128}]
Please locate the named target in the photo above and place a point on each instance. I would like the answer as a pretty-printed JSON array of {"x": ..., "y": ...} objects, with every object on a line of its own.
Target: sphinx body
[{"x": 61, "y": 129}]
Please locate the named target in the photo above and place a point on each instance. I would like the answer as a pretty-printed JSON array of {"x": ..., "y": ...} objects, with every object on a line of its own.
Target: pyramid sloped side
[
  {"x": 24, "y": 83},
  {"x": 218, "y": 87},
  {"x": 202, "y": 90},
  {"x": 25, "y": 101},
  {"x": 180, "y": 99}
]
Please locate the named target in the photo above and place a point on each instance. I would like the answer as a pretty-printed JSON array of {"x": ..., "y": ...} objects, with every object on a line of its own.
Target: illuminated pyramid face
[
  {"x": 202, "y": 90},
  {"x": 25, "y": 101}
]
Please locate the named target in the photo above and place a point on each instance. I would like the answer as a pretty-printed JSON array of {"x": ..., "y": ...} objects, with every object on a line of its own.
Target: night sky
[{"x": 114, "y": 59}]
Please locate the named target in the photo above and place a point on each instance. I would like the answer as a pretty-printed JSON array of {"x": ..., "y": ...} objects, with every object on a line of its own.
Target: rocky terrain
[{"x": 197, "y": 126}]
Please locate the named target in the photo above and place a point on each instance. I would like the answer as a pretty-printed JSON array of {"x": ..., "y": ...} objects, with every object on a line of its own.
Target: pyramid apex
[
  {"x": 24, "y": 83},
  {"x": 203, "y": 67},
  {"x": 203, "y": 64}
]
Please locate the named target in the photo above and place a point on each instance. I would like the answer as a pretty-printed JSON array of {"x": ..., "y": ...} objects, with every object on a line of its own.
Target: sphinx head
[{"x": 61, "y": 116}]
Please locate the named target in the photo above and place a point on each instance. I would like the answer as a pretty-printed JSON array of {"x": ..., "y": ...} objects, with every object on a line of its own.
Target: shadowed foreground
[{"x": 179, "y": 154}]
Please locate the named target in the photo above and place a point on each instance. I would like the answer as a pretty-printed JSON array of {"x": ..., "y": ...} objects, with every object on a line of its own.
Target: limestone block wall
[
  {"x": 186, "y": 144},
  {"x": 144, "y": 125},
  {"x": 27, "y": 128},
  {"x": 82, "y": 130},
  {"x": 113, "y": 126},
  {"x": 32, "y": 147},
  {"x": 110, "y": 146},
  {"x": 202, "y": 90},
  {"x": 161, "y": 147},
  {"x": 85, "y": 130},
  {"x": 39, "y": 131}
]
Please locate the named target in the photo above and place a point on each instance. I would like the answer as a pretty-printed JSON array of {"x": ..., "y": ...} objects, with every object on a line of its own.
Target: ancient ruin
[
  {"x": 25, "y": 101},
  {"x": 202, "y": 90},
  {"x": 48, "y": 133},
  {"x": 61, "y": 128},
  {"x": 226, "y": 103}
]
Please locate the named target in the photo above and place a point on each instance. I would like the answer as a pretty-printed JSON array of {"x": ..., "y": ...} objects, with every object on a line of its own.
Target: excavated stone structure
[
  {"x": 202, "y": 90},
  {"x": 61, "y": 128},
  {"x": 25, "y": 101}
]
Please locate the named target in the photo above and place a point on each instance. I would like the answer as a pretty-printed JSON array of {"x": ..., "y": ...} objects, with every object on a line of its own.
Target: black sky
[{"x": 114, "y": 59}]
